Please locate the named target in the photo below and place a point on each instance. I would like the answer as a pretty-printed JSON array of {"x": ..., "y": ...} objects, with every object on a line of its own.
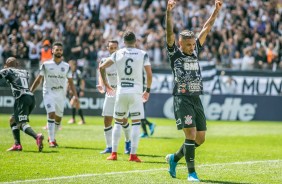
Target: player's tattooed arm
[{"x": 170, "y": 38}]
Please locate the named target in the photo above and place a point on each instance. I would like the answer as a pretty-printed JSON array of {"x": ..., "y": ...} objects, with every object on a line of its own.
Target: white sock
[
  {"x": 126, "y": 129},
  {"x": 108, "y": 135},
  {"x": 51, "y": 130},
  {"x": 57, "y": 126},
  {"x": 116, "y": 136},
  {"x": 135, "y": 137}
]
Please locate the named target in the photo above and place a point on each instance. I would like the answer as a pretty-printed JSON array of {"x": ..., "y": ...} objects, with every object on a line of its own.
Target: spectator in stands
[
  {"x": 46, "y": 51},
  {"x": 242, "y": 24},
  {"x": 248, "y": 60}
]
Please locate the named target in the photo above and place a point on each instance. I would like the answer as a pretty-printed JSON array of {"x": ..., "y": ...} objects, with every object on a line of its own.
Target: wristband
[{"x": 148, "y": 90}]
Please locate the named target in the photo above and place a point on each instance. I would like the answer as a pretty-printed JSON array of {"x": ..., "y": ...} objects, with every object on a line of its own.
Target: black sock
[
  {"x": 81, "y": 114},
  {"x": 189, "y": 152},
  {"x": 179, "y": 154},
  {"x": 28, "y": 130},
  {"x": 143, "y": 125},
  {"x": 16, "y": 133},
  {"x": 73, "y": 113},
  {"x": 148, "y": 122}
]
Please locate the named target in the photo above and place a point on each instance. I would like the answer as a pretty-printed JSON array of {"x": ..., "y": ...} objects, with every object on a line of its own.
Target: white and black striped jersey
[{"x": 18, "y": 80}]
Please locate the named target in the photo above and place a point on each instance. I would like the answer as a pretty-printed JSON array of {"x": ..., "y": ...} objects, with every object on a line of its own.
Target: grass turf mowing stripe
[{"x": 137, "y": 171}]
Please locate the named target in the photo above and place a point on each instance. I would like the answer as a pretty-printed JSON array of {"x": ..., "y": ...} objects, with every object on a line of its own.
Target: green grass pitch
[{"x": 234, "y": 152}]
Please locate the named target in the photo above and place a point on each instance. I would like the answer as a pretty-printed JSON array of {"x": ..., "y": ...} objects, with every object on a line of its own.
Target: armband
[{"x": 148, "y": 90}]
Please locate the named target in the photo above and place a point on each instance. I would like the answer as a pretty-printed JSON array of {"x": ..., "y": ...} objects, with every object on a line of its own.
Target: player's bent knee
[{"x": 12, "y": 120}]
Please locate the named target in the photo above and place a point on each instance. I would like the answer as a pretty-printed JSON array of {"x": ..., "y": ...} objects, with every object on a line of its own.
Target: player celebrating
[
  {"x": 79, "y": 82},
  {"x": 56, "y": 74},
  {"x": 109, "y": 103},
  {"x": 188, "y": 109},
  {"x": 24, "y": 103},
  {"x": 129, "y": 62}
]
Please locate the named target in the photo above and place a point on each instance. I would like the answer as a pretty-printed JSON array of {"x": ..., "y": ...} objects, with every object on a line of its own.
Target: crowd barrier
[{"x": 217, "y": 107}]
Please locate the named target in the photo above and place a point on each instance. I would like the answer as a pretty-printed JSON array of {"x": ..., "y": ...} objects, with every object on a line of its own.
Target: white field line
[{"x": 138, "y": 171}]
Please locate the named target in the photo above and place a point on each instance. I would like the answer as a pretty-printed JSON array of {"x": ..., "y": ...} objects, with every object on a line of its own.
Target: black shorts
[
  {"x": 23, "y": 107},
  {"x": 189, "y": 112}
]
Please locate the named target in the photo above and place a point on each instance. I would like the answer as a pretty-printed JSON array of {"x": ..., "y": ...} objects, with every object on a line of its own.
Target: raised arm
[
  {"x": 170, "y": 37},
  {"x": 209, "y": 23}
]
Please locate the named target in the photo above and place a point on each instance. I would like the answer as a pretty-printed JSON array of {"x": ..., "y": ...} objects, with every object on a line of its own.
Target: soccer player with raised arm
[
  {"x": 24, "y": 103},
  {"x": 129, "y": 63},
  {"x": 56, "y": 74},
  {"x": 188, "y": 85},
  {"x": 108, "y": 107}
]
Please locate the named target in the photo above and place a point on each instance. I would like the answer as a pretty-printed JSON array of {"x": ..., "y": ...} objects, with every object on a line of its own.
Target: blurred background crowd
[{"x": 246, "y": 36}]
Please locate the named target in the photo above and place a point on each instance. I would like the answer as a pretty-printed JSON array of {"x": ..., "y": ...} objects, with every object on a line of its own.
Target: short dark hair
[
  {"x": 112, "y": 41},
  {"x": 187, "y": 34},
  {"x": 129, "y": 37},
  {"x": 57, "y": 43}
]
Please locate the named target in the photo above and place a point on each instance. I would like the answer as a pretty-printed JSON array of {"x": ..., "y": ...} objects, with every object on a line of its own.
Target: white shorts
[
  {"x": 132, "y": 103},
  {"x": 108, "y": 107},
  {"x": 54, "y": 103}
]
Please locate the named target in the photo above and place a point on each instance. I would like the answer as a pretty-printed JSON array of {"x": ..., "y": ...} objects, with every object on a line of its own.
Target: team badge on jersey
[{"x": 62, "y": 69}]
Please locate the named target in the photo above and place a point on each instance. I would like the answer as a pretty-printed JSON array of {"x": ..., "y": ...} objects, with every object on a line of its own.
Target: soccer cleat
[
  {"x": 144, "y": 135},
  {"x": 127, "y": 147},
  {"x": 55, "y": 142},
  {"x": 107, "y": 150},
  {"x": 172, "y": 165},
  {"x": 81, "y": 123},
  {"x": 39, "y": 142},
  {"x": 53, "y": 145},
  {"x": 134, "y": 158},
  {"x": 15, "y": 147},
  {"x": 193, "y": 177},
  {"x": 152, "y": 128},
  {"x": 71, "y": 121},
  {"x": 113, "y": 156}
]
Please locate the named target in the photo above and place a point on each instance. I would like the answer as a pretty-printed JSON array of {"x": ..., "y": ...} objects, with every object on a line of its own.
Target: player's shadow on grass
[
  {"x": 153, "y": 156},
  {"x": 82, "y": 148},
  {"x": 44, "y": 151},
  {"x": 223, "y": 182},
  {"x": 161, "y": 137}
]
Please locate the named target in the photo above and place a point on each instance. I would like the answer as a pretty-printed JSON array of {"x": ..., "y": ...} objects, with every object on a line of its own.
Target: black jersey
[
  {"x": 186, "y": 71},
  {"x": 77, "y": 77},
  {"x": 18, "y": 80}
]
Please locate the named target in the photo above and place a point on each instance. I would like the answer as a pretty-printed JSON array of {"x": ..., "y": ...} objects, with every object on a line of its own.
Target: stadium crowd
[{"x": 246, "y": 36}]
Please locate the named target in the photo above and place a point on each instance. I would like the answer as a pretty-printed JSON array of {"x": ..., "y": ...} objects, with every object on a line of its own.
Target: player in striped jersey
[
  {"x": 108, "y": 107},
  {"x": 129, "y": 63},
  {"x": 56, "y": 74},
  {"x": 24, "y": 103}
]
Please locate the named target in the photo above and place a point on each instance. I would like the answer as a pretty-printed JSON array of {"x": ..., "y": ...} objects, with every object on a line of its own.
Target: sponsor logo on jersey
[
  {"x": 127, "y": 84},
  {"x": 191, "y": 66}
]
